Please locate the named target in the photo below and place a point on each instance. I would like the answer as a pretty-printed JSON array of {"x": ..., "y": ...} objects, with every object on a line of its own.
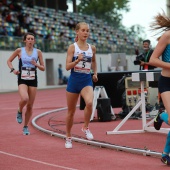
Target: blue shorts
[
  {"x": 75, "y": 85},
  {"x": 164, "y": 84}
]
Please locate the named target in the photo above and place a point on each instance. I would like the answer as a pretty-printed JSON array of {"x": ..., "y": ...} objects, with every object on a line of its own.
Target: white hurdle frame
[
  {"x": 98, "y": 90},
  {"x": 145, "y": 126}
]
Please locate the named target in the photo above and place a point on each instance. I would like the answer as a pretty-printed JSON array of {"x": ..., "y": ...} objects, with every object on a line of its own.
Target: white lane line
[
  {"x": 51, "y": 107},
  {"x": 28, "y": 159}
]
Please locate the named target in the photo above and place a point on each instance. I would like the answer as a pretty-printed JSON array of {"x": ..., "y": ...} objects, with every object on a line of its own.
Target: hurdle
[
  {"x": 142, "y": 77},
  {"x": 100, "y": 91}
]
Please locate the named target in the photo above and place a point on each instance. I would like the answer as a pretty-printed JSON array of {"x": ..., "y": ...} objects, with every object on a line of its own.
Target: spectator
[
  {"x": 17, "y": 31},
  {"x": 3, "y": 30},
  {"x": 27, "y": 20},
  {"x": 147, "y": 54},
  {"x": 60, "y": 74},
  {"x": 21, "y": 19},
  {"x": 143, "y": 59},
  {"x": 47, "y": 41}
]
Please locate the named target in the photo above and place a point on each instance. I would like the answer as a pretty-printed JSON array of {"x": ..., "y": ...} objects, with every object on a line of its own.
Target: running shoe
[
  {"x": 68, "y": 143},
  {"x": 166, "y": 159},
  {"x": 158, "y": 122},
  {"x": 88, "y": 134},
  {"x": 26, "y": 130},
  {"x": 19, "y": 117}
]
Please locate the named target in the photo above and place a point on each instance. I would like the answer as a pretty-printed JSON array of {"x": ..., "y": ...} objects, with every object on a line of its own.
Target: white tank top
[{"x": 83, "y": 66}]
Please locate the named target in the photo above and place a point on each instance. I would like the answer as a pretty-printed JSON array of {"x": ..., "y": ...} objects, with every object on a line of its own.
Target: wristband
[{"x": 12, "y": 69}]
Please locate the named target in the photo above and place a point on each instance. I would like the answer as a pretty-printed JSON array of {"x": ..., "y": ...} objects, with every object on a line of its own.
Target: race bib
[
  {"x": 83, "y": 66},
  {"x": 27, "y": 73}
]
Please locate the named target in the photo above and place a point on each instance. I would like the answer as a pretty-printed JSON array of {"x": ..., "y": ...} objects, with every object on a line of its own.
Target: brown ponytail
[
  {"x": 161, "y": 22},
  {"x": 28, "y": 33}
]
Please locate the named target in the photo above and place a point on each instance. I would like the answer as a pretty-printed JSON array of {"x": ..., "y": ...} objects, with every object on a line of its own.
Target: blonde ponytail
[{"x": 76, "y": 38}]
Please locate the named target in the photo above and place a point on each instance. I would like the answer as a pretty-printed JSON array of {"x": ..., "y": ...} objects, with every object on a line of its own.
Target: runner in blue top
[
  {"x": 81, "y": 58},
  {"x": 27, "y": 76},
  {"x": 162, "y": 22}
]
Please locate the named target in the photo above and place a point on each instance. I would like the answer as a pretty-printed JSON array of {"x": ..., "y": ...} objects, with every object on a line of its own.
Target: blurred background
[{"x": 116, "y": 26}]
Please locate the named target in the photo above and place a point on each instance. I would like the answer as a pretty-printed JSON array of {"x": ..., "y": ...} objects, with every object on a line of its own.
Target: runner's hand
[
  {"x": 33, "y": 62},
  {"x": 16, "y": 72},
  {"x": 80, "y": 57},
  {"x": 95, "y": 78}
]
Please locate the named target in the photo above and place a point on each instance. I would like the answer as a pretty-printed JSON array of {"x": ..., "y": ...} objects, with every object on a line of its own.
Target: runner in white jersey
[
  {"x": 81, "y": 58},
  {"x": 81, "y": 73},
  {"x": 84, "y": 66},
  {"x": 27, "y": 77}
]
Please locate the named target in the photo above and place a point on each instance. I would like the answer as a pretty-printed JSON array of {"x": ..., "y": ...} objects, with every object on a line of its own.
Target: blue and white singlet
[{"x": 80, "y": 75}]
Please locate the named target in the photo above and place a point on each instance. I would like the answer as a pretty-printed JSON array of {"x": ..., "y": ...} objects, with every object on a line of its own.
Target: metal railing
[{"x": 57, "y": 45}]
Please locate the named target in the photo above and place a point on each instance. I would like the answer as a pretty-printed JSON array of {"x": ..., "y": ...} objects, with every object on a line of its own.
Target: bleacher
[{"x": 55, "y": 31}]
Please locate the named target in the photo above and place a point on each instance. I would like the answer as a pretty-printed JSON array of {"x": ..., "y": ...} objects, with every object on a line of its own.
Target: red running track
[{"x": 44, "y": 152}]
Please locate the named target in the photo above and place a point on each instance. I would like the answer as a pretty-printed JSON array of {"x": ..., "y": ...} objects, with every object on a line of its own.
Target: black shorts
[
  {"x": 163, "y": 84},
  {"x": 32, "y": 83}
]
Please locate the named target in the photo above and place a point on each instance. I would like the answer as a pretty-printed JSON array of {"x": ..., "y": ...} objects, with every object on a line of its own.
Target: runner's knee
[{"x": 24, "y": 99}]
